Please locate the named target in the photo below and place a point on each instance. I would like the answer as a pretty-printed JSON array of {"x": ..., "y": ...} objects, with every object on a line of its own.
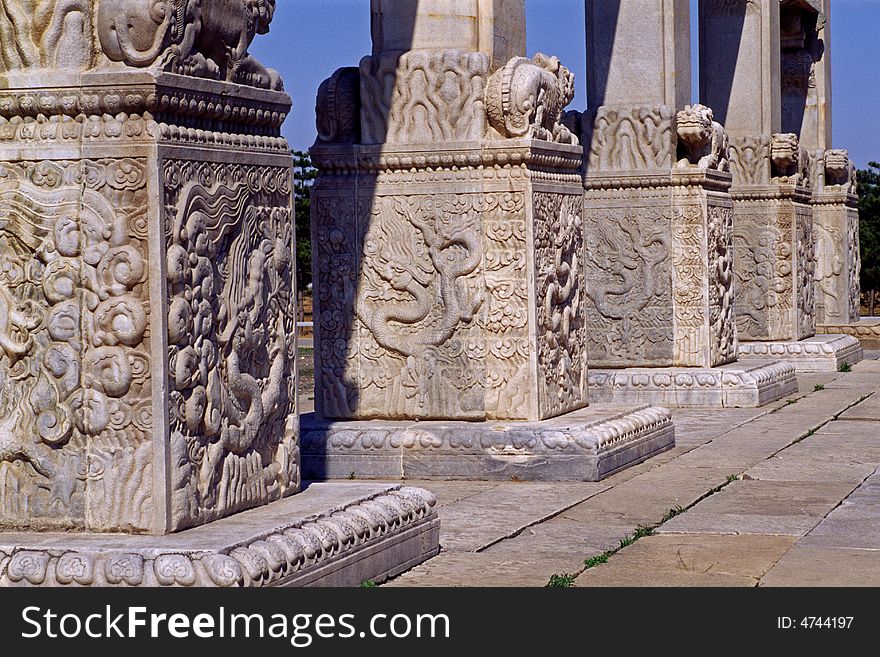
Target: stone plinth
[
  {"x": 820, "y": 353},
  {"x": 147, "y": 301},
  {"x": 328, "y": 535},
  {"x": 448, "y": 291},
  {"x": 866, "y": 331},
  {"x": 743, "y": 384},
  {"x": 585, "y": 445},
  {"x": 774, "y": 263},
  {"x": 660, "y": 269}
]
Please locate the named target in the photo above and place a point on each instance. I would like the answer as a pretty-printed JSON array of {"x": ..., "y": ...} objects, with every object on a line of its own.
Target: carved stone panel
[
  {"x": 660, "y": 279},
  {"x": 231, "y": 322},
  {"x": 425, "y": 302},
  {"x": 147, "y": 358},
  {"x": 775, "y": 264},
  {"x": 76, "y": 417},
  {"x": 837, "y": 262}
]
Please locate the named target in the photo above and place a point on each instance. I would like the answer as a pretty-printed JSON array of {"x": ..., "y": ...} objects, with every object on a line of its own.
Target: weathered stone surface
[
  {"x": 147, "y": 303},
  {"x": 789, "y": 508},
  {"x": 819, "y": 566},
  {"x": 329, "y": 535},
  {"x": 585, "y": 445},
  {"x": 706, "y": 560},
  {"x": 869, "y": 409},
  {"x": 821, "y": 353},
  {"x": 735, "y": 385},
  {"x": 481, "y": 569},
  {"x": 506, "y": 511}
]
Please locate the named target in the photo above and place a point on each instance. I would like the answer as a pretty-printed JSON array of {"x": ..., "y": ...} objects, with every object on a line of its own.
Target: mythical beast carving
[
  {"x": 204, "y": 38},
  {"x": 701, "y": 140},
  {"x": 527, "y": 96},
  {"x": 790, "y": 162}
]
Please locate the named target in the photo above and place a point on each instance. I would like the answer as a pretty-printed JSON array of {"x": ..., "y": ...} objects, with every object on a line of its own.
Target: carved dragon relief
[
  {"x": 230, "y": 328},
  {"x": 203, "y": 38}
]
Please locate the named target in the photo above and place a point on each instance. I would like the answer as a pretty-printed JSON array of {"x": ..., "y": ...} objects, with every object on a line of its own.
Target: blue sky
[{"x": 312, "y": 38}]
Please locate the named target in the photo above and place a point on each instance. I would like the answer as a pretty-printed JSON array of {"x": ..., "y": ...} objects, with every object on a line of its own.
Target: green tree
[
  {"x": 869, "y": 229},
  {"x": 304, "y": 175}
]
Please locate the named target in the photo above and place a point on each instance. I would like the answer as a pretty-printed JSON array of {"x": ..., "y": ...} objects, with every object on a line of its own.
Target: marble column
[
  {"x": 806, "y": 110},
  {"x": 448, "y": 246},
  {"x": 147, "y": 313},
  {"x": 743, "y": 78},
  {"x": 658, "y": 217}
]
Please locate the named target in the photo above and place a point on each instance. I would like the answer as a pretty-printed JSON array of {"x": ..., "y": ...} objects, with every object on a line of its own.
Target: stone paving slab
[
  {"x": 762, "y": 507},
  {"x": 869, "y": 409},
  {"x": 563, "y": 542},
  {"x": 481, "y": 569},
  {"x": 492, "y": 515},
  {"x": 822, "y": 566},
  {"x": 800, "y": 458},
  {"x": 704, "y": 560}
]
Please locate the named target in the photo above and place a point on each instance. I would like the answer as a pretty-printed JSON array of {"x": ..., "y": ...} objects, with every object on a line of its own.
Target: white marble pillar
[
  {"x": 740, "y": 61},
  {"x": 658, "y": 218}
]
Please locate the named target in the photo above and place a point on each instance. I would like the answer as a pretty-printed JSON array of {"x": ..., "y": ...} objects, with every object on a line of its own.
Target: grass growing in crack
[
  {"x": 562, "y": 581},
  {"x": 669, "y": 515},
  {"x": 642, "y": 531},
  {"x": 368, "y": 584},
  {"x": 811, "y": 432},
  {"x": 789, "y": 402},
  {"x": 846, "y": 367},
  {"x": 818, "y": 387},
  {"x": 592, "y": 562}
]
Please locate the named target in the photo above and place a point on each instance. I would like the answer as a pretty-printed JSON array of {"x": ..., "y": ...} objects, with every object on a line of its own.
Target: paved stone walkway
[{"x": 788, "y": 494}]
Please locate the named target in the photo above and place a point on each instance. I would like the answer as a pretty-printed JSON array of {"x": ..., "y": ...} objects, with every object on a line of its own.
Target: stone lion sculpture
[
  {"x": 839, "y": 169},
  {"x": 702, "y": 142},
  {"x": 789, "y": 161},
  {"x": 527, "y": 96},
  {"x": 204, "y": 38}
]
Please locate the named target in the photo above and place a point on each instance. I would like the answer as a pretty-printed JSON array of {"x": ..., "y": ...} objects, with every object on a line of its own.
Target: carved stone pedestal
[
  {"x": 328, "y": 535},
  {"x": 742, "y": 384},
  {"x": 866, "y": 331},
  {"x": 821, "y": 353},
  {"x": 775, "y": 263},
  {"x": 585, "y": 445}
]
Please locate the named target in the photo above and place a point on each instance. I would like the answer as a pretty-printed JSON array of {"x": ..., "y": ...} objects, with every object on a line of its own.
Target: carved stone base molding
[
  {"x": 586, "y": 445},
  {"x": 821, "y": 353},
  {"x": 775, "y": 262},
  {"x": 329, "y": 535},
  {"x": 738, "y": 385},
  {"x": 866, "y": 331}
]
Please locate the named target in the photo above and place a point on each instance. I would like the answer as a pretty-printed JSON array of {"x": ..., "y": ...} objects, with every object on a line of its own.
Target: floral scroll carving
[
  {"x": 74, "y": 369},
  {"x": 631, "y": 138}
]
